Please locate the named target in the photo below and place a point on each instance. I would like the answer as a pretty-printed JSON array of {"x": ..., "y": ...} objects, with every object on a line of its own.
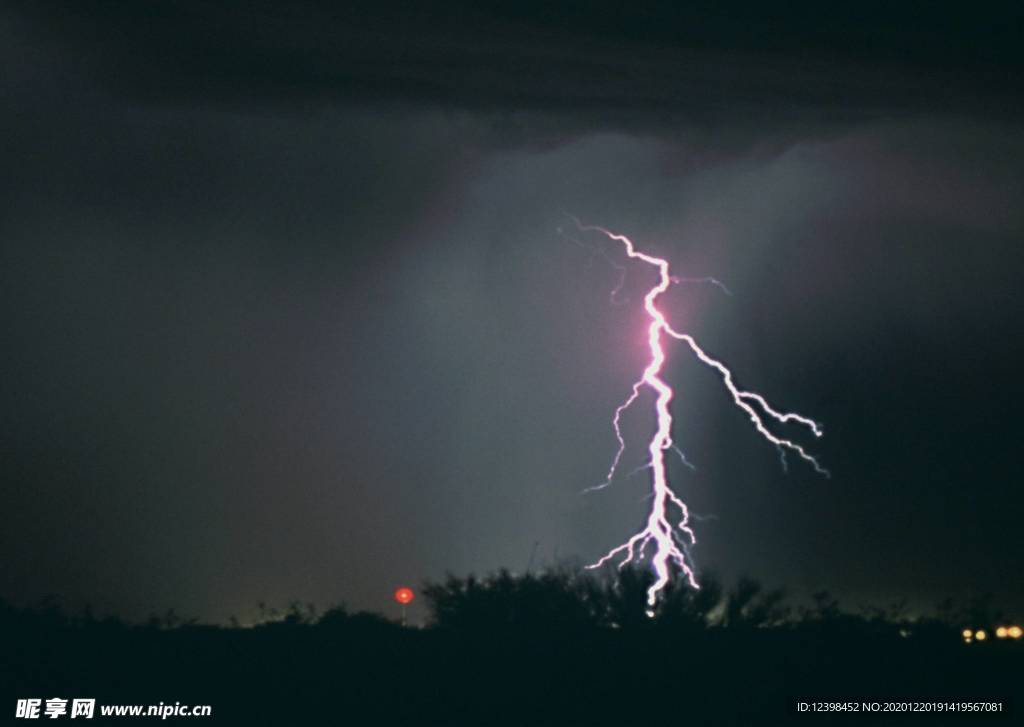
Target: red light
[{"x": 404, "y": 595}]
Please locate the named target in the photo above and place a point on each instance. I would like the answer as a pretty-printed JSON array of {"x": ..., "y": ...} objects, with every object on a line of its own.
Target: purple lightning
[{"x": 672, "y": 543}]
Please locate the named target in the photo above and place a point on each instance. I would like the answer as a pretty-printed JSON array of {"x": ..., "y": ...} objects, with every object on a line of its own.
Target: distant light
[
  {"x": 980, "y": 635},
  {"x": 1014, "y": 632},
  {"x": 1002, "y": 632},
  {"x": 967, "y": 633},
  {"x": 404, "y": 595}
]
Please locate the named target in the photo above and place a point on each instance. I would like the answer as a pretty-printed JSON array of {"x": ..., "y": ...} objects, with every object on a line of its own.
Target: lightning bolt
[{"x": 672, "y": 542}]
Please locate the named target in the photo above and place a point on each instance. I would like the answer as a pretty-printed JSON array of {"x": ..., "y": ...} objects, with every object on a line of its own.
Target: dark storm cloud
[
  {"x": 646, "y": 66},
  {"x": 286, "y": 314}
]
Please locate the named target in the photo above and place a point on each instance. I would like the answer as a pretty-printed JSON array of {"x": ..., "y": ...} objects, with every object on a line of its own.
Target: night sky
[{"x": 287, "y": 315}]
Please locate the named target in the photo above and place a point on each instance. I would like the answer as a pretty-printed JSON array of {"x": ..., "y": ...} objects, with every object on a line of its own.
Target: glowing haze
[{"x": 671, "y": 543}]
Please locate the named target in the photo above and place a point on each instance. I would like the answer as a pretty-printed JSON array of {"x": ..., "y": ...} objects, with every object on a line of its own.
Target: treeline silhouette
[{"x": 554, "y": 647}]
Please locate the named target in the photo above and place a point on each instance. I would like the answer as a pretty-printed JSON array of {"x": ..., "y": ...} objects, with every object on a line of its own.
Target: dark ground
[{"x": 518, "y": 651}]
